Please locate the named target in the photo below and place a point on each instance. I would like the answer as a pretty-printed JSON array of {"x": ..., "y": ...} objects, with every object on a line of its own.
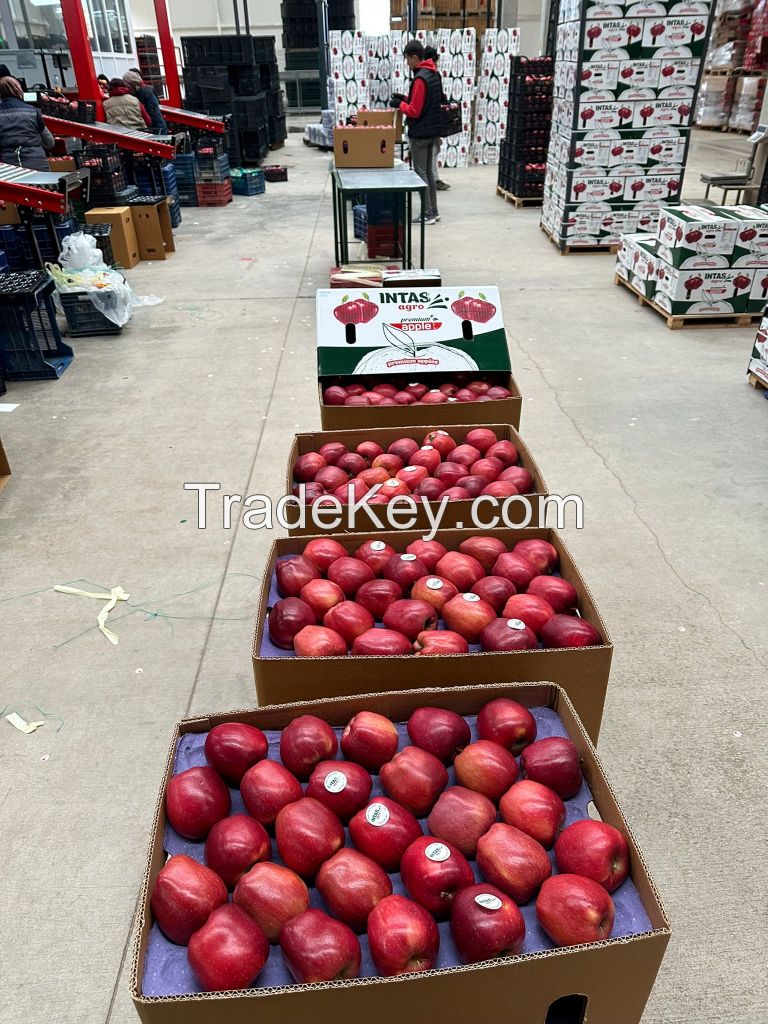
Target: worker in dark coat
[
  {"x": 148, "y": 98},
  {"x": 23, "y": 135}
]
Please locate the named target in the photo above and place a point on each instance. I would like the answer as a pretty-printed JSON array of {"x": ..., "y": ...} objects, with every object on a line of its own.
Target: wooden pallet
[
  {"x": 566, "y": 250},
  {"x": 676, "y": 321},
  {"x": 519, "y": 200},
  {"x": 756, "y": 382}
]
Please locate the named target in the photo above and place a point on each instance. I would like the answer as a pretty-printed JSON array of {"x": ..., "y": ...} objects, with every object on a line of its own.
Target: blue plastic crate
[
  {"x": 174, "y": 207},
  {"x": 4, "y": 265},
  {"x": 30, "y": 343},
  {"x": 248, "y": 181},
  {"x": 360, "y": 222}
]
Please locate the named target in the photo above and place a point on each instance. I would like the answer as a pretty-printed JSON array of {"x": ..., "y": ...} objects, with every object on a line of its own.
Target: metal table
[{"x": 349, "y": 182}]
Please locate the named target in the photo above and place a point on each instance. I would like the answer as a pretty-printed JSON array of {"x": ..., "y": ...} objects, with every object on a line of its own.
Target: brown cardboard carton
[
  {"x": 357, "y": 417},
  {"x": 9, "y": 214},
  {"x": 5, "y": 468},
  {"x": 364, "y": 147},
  {"x": 457, "y": 513},
  {"x": 62, "y": 164},
  {"x": 382, "y": 118},
  {"x": 582, "y": 671},
  {"x": 154, "y": 231},
  {"x": 610, "y": 980},
  {"x": 125, "y": 245}
]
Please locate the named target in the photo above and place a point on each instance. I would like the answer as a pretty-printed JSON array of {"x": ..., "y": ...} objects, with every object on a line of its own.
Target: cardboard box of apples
[
  {"x": 495, "y": 605},
  {"x": 463, "y": 846},
  {"x": 455, "y": 464}
]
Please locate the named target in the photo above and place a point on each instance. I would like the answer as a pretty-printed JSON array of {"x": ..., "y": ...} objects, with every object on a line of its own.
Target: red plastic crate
[{"x": 214, "y": 195}]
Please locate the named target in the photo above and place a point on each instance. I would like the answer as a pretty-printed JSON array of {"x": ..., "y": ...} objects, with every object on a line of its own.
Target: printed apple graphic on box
[
  {"x": 358, "y": 311},
  {"x": 479, "y": 310},
  {"x": 692, "y": 284},
  {"x": 403, "y": 348}
]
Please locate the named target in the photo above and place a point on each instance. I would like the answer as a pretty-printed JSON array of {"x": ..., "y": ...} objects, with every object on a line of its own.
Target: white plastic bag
[{"x": 79, "y": 251}]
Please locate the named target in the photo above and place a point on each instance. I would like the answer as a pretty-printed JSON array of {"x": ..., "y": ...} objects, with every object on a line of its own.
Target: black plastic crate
[
  {"x": 275, "y": 103},
  {"x": 532, "y": 65},
  {"x": 275, "y": 172},
  {"x": 301, "y": 59},
  {"x": 242, "y": 49},
  {"x": 250, "y": 111},
  {"x": 526, "y": 146},
  {"x": 526, "y": 104},
  {"x": 102, "y": 234},
  {"x": 30, "y": 342},
  {"x": 174, "y": 207},
  {"x": 83, "y": 319},
  {"x": 269, "y": 76},
  {"x": 101, "y": 158},
  {"x": 278, "y": 130},
  {"x": 213, "y": 169}
]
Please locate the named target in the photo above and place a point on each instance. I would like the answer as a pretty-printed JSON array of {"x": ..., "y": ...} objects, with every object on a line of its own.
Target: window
[
  {"x": 110, "y": 21},
  {"x": 38, "y": 24}
]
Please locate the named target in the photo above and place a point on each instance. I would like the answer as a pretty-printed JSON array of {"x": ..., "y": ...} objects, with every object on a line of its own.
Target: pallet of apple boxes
[
  {"x": 707, "y": 262},
  {"x": 362, "y": 849}
]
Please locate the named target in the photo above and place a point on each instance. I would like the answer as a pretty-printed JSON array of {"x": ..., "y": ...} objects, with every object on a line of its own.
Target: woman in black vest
[
  {"x": 422, "y": 109},
  {"x": 23, "y": 135}
]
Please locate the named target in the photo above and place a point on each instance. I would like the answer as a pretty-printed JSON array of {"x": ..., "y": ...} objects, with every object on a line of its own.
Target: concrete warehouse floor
[{"x": 658, "y": 432}]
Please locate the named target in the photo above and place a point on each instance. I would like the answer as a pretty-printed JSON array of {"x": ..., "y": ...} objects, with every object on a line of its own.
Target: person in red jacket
[{"x": 422, "y": 110}]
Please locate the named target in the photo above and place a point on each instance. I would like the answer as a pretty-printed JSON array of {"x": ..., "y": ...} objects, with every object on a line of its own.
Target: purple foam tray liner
[
  {"x": 269, "y": 650},
  {"x": 167, "y": 971}
]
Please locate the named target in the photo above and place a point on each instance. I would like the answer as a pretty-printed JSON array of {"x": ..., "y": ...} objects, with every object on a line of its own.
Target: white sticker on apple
[
  {"x": 378, "y": 545},
  {"x": 488, "y": 900},
  {"x": 471, "y": 597},
  {"x": 515, "y": 624},
  {"x": 335, "y": 782},
  {"x": 376, "y": 814},
  {"x": 407, "y": 558},
  {"x": 435, "y": 584},
  {"x": 437, "y": 852},
  {"x": 427, "y": 448}
]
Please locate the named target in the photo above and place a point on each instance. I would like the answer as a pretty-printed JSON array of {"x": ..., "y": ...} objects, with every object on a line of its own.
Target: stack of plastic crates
[
  {"x": 155, "y": 178},
  {"x": 186, "y": 178},
  {"x": 45, "y": 244},
  {"x": 523, "y": 157},
  {"x": 248, "y": 181},
  {"x": 30, "y": 343},
  {"x": 98, "y": 157},
  {"x": 213, "y": 170},
  {"x": 102, "y": 233}
]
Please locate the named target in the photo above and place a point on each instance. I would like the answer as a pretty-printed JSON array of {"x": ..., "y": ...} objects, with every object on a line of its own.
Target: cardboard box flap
[{"x": 378, "y": 331}]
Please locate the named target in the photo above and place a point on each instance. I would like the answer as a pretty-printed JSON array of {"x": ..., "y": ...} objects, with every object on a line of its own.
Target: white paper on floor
[{"x": 116, "y": 594}]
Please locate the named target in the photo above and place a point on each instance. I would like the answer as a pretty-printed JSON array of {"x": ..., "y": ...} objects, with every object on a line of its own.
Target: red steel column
[
  {"x": 173, "y": 85},
  {"x": 82, "y": 55}
]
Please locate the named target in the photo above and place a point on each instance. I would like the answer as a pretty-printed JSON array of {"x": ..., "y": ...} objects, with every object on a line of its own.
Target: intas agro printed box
[
  {"x": 687, "y": 291},
  {"x": 751, "y": 246},
  {"x": 689, "y": 236},
  {"x": 758, "y": 363}
]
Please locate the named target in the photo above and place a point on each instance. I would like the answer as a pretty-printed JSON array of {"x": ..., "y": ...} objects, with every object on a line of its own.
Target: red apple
[
  {"x": 319, "y": 642},
  {"x": 403, "y": 937},
  {"x": 307, "y": 834},
  {"x": 456, "y": 494},
  {"x": 232, "y": 747},
  {"x": 465, "y": 395},
  {"x": 321, "y": 596},
  {"x": 311, "y": 491},
  {"x": 434, "y": 397},
  {"x": 473, "y": 485},
  {"x": 350, "y": 574},
  {"x": 412, "y": 476},
  {"x": 335, "y": 395},
  {"x": 351, "y": 885},
  {"x": 378, "y": 595},
  {"x": 266, "y": 788},
  {"x": 381, "y": 643},
  {"x": 350, "y": 620},
  {"x": 234, "y": 845},
  {"x": 304, "y": 743},
  {"x": 516, "y": 569},
  {"x": 553, "y": 762},
  {"x": 404, "y": 398},
  {"x": 195, "y": 800},
  {"x": 462, "y": 570},
  {"x": 438, "y": 731},
  {"x": 485, "y": 549},
  {"x": 508, "y": 635},
  {"x": 486, "y": 924},
  {"x": 410, "y": 617},
  {"x": 344, "y": 787},
  {"x": 540, "y": 553},
  {"x": 464, "y": 455},
  {"x": 371, "y": 477},
  {"x": 405, "y": 570},
  {"x": 293, "y": 573},
  {"x": 417, "y": 389},
  {"x": 431, "y": 489},
  {"x": 572, "y": 910},
  {"x": 287, "y": 619},
  {"x": 323, "y": 551},
  {"x": 488, "y": 469},
  {"x": 229, "y": 951},
  {"x": 434, "y": 590},
  {"x": 504, "y": 451},
  {"x": 511, "y": 860},
  {"x": 556, "y": 591},
  {"x": 185, "y": 895},
  {"x": 461, "y": 816},
  {"x": 500, "y": 489},
  {"x": 429, "y": 552},
  {"x": 438, "y": 642},
  {"x": 392, "y": 463},
  {"x": 495, "y": 393},
  {"x": 383, "y": 831},
  {"x": 353, "y": 490},
  {"x": 468, "y": 615},
  {"x": 395, "y": 488},
  {"x": 534, "y": 611},
  {"x": 486, "y": 768},
  {"x": 369, "y": 739},
  {"x": 534, "y": 809},
  {"x": 376, "y": 554},
  {"x": 449, "y": 473},
  {"x": 441, "y": 440},
  {"x": 318, "y": 948},
  {"x": 355, "y": 389},
  {"x": 271, "y": 895},
  {"x": 433, "y": 871},
  {"x": 479, "y": 387},
  {"x": 507, "y": 723},
  {"x": 369, "y": 450},
  {"x": 403, "y": 448},
  {"x": 495, "y": 590},
  {"x": 388, "y": 390},
  {"x": 481, "y": 438},
  {"x": 352, "y": 463},
  {"x": 415, "y": 778},
  {"x": 332, "y": 452},
  {"x": 308, "y": 466},
  {"x": 569, "y": 631},
  {"x": 595, "y": 850},
  {"x": 520, "y": 478}
]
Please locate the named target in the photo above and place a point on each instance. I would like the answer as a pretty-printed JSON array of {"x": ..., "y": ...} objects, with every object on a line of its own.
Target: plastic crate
[
  {"x": 360, "y": 222},
  {"x": 83, "y": 319},
  {"x": 248, "y": 182},
  {"x": 102, "y": 233},
  {"x": 214, "y": 195},
  {"x": 532, "y": 65},
  {"x": 250, "y": 111},
  {"x": 213, "y": 169},
  {"x": 278, "y": 130},
  {"x": 269, "y": 76},
  {"x": 4, "y": 265},
  {"x": 101, "y": 158},
  {"x": 174, "y": 207},
  {"x": 243, "y": 49},
  {"x": 30, "y": 342},
  {"x": 275, "y": 172}
]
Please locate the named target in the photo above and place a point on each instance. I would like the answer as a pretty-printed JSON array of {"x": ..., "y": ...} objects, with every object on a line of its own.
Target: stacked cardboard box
[
  {"x": 498, "y": 49},
  {"x": 701, "y": 260},
  {"x": 625, "y": 89},
  {"x": 758, "y": 363}
]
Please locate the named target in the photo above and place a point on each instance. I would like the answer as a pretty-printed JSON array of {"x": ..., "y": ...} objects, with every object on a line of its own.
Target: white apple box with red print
[
  {"x": 680, "y": 291},
  {"x": 751, "y": 245},
  {"x": 688, "y": 231},
  {"x": 758, "y": 363},
  {"x": 607, "y": 35},
  {"x": 654, "y": 187},
  {"x": 758, "y": 296},
  {"x": 663, "y": 113},
  {"x": 628, "y": 151}
]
